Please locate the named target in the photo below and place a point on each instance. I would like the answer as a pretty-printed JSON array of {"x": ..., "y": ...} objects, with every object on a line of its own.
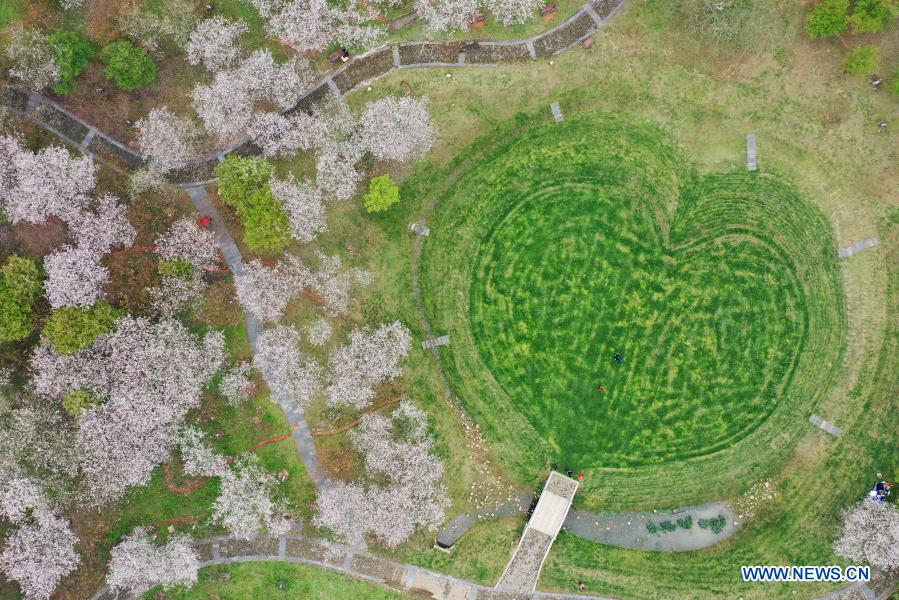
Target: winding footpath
[{"x": 609, "y": 528}]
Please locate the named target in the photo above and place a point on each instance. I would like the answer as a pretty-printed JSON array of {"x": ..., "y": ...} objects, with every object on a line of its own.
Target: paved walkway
[
  {"x": 292, "y": 410},
  {"x": 316, "y": 552}
]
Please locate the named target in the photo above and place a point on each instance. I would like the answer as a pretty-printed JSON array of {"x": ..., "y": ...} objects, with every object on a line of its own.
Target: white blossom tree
[
  {"x": 336, "y": 174},
  {"x": 335, "y": 284},
  {"x": 302, "y": 202},
  {"x": 226, "y": 106},
  {"x": 870, "y": 534},
  {"x": 104, "y": 227},
  {"x": 18, "y": 496},
  {"x": 44, "y": 184},
  {"x": 514, "y": 12},
  {"x": 70, "y": 4},
  {"x": 185, "y": 240},
  {"x": 267, "y": 8},
  {"x": 413, "y": 497},
  {"x": 246, "y": 504},
  {"x": 167, "y": 140},
  {"x": 237, "y": 383},
  {"x": 152, "y": 28},
  {"x": 75, "y": 277},
  {"x": 369, "y": 359},
  {"x": 314, "y": 24},
  {"x": 446, "y": 15},
  {"x": 32, "y": 58},
  {"x": 39, "y": 554},
  {"x": 137, "y": 563},
  {"x": 290, "y": 373},
  {"x": 199, "y": 459},
  {"x": 398, "y": 129},
  {"x": 282, "y": 136},
  {"x": 150, "y": 375},
  {"x": 265, "y": 291},
  {"x": 319, "y": 332},
  {"x": 214, "y": 43},
  {"x": 177, "y": 295}
]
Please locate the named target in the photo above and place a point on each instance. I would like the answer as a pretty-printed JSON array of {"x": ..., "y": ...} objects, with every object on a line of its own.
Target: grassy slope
[{"x": 278, "y": 580}]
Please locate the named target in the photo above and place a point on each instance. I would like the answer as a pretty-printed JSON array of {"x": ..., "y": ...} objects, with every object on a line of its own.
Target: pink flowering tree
[
  {"x": 137, "y": 563},
  {"x": 167, "y": 141},
  {"x": 413, "y": 497},
  {"x": 335, "y": 284},
  {"x": 369, "y": 359},
  {"x": 75, "y": 277},
  {"x": 214, "y": 43},
  {"x": 302, "y": 202},
  {"x": 246, "y": 506},
  {"x": 446, "y": 15},
  {"x": 39, "y": 554},
  {"x": 514, "y": 12},
  {"x": 290, "y": 373},
  {"x": 397, "y": 129},
  {"x": 265, "y": 291},
  {"x": 237, "y": 383},
  {"x": 315, "y": 24},
  {"x": 283, "y": 136},
  {"x": 199, "y": 458},
  {"x": 870, "y": 534},
  {"x": 185, "y": 240},
  {"x": 319, "y": 332},
  {"x": 177, "y": 295},
  {"x": 32, "y": 58},
  {"x": 150, "y": 375},
  {"x": 103, "y": 227}
]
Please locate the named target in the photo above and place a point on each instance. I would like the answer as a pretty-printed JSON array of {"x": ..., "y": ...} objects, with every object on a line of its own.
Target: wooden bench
[{"x": 548, "y": 9}]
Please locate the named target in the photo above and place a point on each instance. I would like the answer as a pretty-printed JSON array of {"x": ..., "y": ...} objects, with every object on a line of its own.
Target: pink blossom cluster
[
  {"x": 246, "y": 504},
  {"x": 870, "y": 534},
  {"x": 369, "y": 359},
  {"x": 137, "y": 563},
  {"x": 414, "y": 496}
]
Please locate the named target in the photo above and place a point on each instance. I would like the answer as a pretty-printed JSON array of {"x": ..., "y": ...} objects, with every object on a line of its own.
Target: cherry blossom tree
[
  {"x": 167, "y": 140},
  {"x": 199, "y": 458},
  {"x": 290, "y": 373},
  {"x": 245, "y": 506},
  {"x": 302, "y": 202},
  {"x": 149, "y": 375},
  {"x": 39, "y": 554},
  {"x": 335, "y": 284},
  {"x": 75, "y": 277},
  {"x": 265, "y": 291},
  {"x": 185, "y": 240},
  {"x": 267, "y": 8},
  {"x": 369, "y": 359},
  {"x": 214, "y": 43},
  {"x": 870, "y": 534},
  {"x": 18, "y": 496},
  {"x": 104, "y": 227},
  {"x": 413, "y": 497},
  {"x": 177, "y": 295},
  {"x": 226, "y": 105},
  {"x": 514, "y": 12},
  {"x": 137, "y": 564},
  {"x": 315, "y": 24},
  {"x": 44, "y": 184},
  {"x": 336, "y": 174},
  {"x": 447, "y": 14},
  {"x": 319, "y": 332},
  {"x": 32, "y": 58},
  {"x": 283, "y": 136},
  {"x": 153, "y": 28},
  {"x": 237, "y": 384},
  {"x": 398, "y": 129},
  {"x": 70, "y": 4}
]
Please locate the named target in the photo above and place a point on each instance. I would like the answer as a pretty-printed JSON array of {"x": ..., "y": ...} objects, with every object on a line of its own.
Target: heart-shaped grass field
[{"x": 565, "y": 245}]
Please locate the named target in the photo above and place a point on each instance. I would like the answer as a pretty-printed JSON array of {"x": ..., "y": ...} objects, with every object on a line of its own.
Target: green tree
[
  {"x": 20, "y": 285},
  {"x": 382, "y": 194},
  {"x": 240, "y": 178},
  {"x": 266, "y": 227},
  {"x": 72, "y": 54},
  {"x": 73, "y": 328},
  {"x": 894, "y": 85},
  {"x": 869, "y": 16},
  {"x": 862, "y": 61},
  {"x": 76, "y": 401},
  {"x": 829, "y": 18},
  {"x": 176, "y": 268},
  {"x": 128, "y": 66}
]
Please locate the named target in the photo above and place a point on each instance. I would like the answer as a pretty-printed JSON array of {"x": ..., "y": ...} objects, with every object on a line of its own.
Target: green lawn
[
  {"x": 596, "y": 237},
  {"x": 277, "y": 580}
]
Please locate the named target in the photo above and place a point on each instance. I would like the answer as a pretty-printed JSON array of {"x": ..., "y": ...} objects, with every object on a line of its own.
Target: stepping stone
[
  {"x": 751, "y": 162},
  {"x": 858, "y": 247},
  {"x": 557, "y": 111},
  {"x": 434, "y": 342},
  {"x": 828, "y": 427},
  {"x": 419, "y": 229}
]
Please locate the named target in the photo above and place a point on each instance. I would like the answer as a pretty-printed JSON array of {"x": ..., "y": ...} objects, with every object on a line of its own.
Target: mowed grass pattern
[
  {"x": 577, "y": 273},
  {"x": 554, "y": 247}
]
